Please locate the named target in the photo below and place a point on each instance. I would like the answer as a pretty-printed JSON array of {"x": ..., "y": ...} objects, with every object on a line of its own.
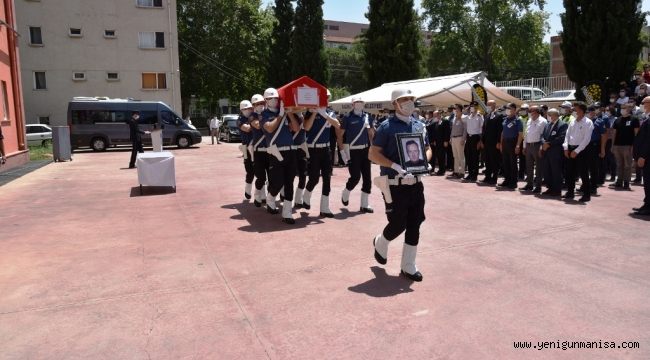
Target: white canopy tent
[{"x": 437, "y": 92}]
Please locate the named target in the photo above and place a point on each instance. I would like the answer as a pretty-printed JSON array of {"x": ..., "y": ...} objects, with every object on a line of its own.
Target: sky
[{"x": 354, "y": 10}]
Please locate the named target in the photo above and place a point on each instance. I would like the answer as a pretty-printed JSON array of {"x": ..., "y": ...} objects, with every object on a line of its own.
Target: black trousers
[
  {"x": 552, "y": 165},
  {"x": 509, "y": 161},
  {"x": 261, "y": 166},
  {"x": 136, "y": 147},
  {"x": 450, "y": 157},
  {"x": 282, "y": 173},
  {"x": 579, "y": 166},
  {"x": 359, "y": 168},
  {"x": 441, "y": 157},
  {"x": 646, "y": 184},
  {"x": 406, "y": 213},
  {"x": 472, "y": 155},
  {"x": 250, "y": 170},
  {"x": 320, "y": 165},
  {"x": 302, "y": 164},
  {"x": 610, "y": 160},
  {"x": 492, "y": 161},
  {"x": 522, "y": 165},
  {"x": 594, "y": 164}
]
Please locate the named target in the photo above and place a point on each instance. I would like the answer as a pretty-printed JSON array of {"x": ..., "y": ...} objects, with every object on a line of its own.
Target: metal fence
[{"x": 547, "y": 84}]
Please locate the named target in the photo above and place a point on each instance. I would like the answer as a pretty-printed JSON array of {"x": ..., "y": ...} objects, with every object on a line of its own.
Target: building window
[
  {"x": 35, "y": 37},
  {"x": 154, "y": 81},
  {"x": 75, "y": 32},
  {"x": 5, "y": 101},
  {"x": 110, "y": 34},
  {"x": 334, "y": 27},
  {"x": 43, "y": 120},
  {"x": 112, "y": 76},
  {"x": 39, "y": 80},
  {"x": 79, "y": 76},
  {"x": 149, "y": 3},
  {"x": 151, "y": 40}
]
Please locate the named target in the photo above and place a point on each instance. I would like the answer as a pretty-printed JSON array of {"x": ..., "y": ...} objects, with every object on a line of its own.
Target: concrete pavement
[{"x": 91, "y": 269}]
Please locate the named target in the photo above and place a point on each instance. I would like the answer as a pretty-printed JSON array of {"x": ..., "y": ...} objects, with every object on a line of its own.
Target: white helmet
[
  {"x": 357, "y": 99},
  {"x": 271, "y": 93},
  {"x": 245, "y": 105},
  {"x": 257, "y": 98},
  {"x": 525, "y": 106},
  {"x": 566, "y": 104},
  {"x": 400, "y": 94}
]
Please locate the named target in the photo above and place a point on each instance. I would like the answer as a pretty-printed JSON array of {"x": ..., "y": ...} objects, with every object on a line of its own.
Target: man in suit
[
  {"x": 642, "y": 155},
  {"x": 492, "y": 128},
  {"x": 440, "y": 140},
  {"x": 136, "y": 137},
  {"x": 551, "y": 153}
]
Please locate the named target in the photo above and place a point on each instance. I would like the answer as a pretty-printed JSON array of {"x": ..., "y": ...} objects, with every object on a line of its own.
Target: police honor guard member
[
  {"x": 356, "y": 134},
  {"x": 246, "y": 110},
  {"x": 281, "y": 154},
  {"x": 576, "y": 150},
  {"x": 404, "y": 195},
  {"x": 318, "y": 124},
  {"x": 302, "y": 158},
  {"x": 258, "y": 149}
]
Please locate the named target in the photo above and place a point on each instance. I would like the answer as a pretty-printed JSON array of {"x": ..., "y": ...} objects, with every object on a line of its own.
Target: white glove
[
  {"x": 344, "y": 156},
  {"x": 429, "y": 167},
  {"x": 281, "y": 108},
  {"x": 322, "y": 112},
  {"x": 399, "y": 169}
]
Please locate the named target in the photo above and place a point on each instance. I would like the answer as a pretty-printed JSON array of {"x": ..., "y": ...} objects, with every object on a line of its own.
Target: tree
[
  {"x": 307, "y": 41},
  {"x": 600, "y": 41},
  {"x": 223, "y": 49},
  {"x": 504, "y": 38},
  {"x": 345, "y": 68},
  {"x": 280, "y": 66},
  {"x": 391, "y": 43}
]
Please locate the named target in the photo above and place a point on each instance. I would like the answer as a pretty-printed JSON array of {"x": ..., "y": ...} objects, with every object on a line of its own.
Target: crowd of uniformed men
[{"x": 534, "y": 144}]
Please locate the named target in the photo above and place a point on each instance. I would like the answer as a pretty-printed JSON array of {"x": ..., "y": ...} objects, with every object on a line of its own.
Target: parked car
[
  {"x": 556, "y": 98},
  {"x": 524, "y": 93},
  {"x": 229, "y": 130},
  {"x": 38, "y": 134},
  {"x": 101, "y": 123}
]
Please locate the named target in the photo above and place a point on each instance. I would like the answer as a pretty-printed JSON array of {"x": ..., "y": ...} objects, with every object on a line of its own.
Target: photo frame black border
[{"x": 402, "y": 156}]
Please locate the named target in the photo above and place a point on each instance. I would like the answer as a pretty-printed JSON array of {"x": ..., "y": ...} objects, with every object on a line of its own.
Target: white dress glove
[
  {"x": 322, "y": 112},
  {"x": 281, "y": 108},
  {"x": 399, "y": 169}
]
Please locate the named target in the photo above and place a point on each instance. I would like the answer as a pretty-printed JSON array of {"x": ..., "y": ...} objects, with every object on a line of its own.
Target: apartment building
[
  {"x": 341, "y": 34},
  {"x": 117, "y": 48},
  {"x": 11, "y": 109}
]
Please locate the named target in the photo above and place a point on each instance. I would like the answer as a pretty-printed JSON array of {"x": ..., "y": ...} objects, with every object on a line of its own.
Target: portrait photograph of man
[{"x": 412, "y": 153}]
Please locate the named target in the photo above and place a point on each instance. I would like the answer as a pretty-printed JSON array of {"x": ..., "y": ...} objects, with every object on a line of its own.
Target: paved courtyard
[{"x": 89, "y": 269}]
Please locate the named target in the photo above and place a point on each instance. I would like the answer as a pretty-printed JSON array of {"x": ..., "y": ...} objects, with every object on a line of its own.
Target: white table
[{"x": 156, "y": 169}]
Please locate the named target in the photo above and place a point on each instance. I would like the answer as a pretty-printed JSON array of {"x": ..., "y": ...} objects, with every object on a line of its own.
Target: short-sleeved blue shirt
[
  {"x": 318, "y": 124},
  {"x": 600, "y": 127},
  {"x": 246, "y": 137},
  {"x": 300, "y": 136},
  {"x": 512, "y": 126},
  {"x": 386, "y": 139},
  {"x": 354, "y": 124},
  {"x": 257, "y": 134},
  {"x": 284, "y": 138}
]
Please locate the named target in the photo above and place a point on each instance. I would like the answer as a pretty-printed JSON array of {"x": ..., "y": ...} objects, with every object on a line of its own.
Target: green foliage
[
  {"x": 307, "y": 42},
  {"x": 600, "y": 40},
  {"x": 223, "y": 48},
  {"x": 505, "y": 38},
  {"x": 345, "y": 68},
  {"x": 392, "y": 43},
  {"x": 339, "y": 93},
  {"x": 280, "y": 66}
]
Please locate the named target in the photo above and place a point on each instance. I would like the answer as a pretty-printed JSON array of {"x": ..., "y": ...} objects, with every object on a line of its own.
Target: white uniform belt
[
  {"x": 404, "y": 181},
  {"x": 286, "y": 148},
  {"x": 319, "y": 146},
  {"x": 358, "y": 147}
]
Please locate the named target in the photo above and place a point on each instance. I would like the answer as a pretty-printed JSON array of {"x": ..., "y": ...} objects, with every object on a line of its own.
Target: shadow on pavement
[
  {"x": 260, "y": 221},
  {"x": 151, "y": 191},
  {"x": 383, "y": 285}
]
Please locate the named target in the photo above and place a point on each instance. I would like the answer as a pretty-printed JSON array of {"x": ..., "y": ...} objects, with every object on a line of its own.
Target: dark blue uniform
[
  {"x": 320, "y": 161},
  {"x": 281, "y": 173},
  {"x": 553, "y": 135},
  {"x": 246, "y": 138},
  {"x": 356, "y": 137},
  {"x": 301, "y": 162},
  {"x": 406, "y": 213},
  {"x": 136, "y": 140},
  {"x": 642, "y": 150},
  {"x": 596, "y": 163},
  {"x": 261, "y": 160},
  {"x": 512, "y": 126}
]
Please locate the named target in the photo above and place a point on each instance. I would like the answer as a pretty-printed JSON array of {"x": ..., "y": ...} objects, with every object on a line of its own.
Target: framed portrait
[{"x": 412, "y": 153}]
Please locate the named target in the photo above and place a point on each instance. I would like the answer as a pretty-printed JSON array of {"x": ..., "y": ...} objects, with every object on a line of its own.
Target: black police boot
[
  {"x": 415, "y": 277},
  {"x": 378, "y": 257}
]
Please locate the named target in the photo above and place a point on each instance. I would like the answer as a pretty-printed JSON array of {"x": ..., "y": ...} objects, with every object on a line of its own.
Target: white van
[{"x": 524, "y": 93}]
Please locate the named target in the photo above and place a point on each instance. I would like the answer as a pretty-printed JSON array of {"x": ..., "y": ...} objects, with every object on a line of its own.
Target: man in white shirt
[
  {"x": 214, "y": 129},
  {"x": 576, "y": 150},
  {"x": 532, "y": 143},
  {"x": 474, "y": 122}
]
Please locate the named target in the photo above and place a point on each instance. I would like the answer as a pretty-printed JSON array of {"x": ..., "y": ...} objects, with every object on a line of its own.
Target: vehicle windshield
[
  {"x": 557, "y": 94},
  {"x": 232, "y": 123}
]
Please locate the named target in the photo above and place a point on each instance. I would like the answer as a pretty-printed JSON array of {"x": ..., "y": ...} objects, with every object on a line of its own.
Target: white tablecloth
[{"x": 156, "y": 169}]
